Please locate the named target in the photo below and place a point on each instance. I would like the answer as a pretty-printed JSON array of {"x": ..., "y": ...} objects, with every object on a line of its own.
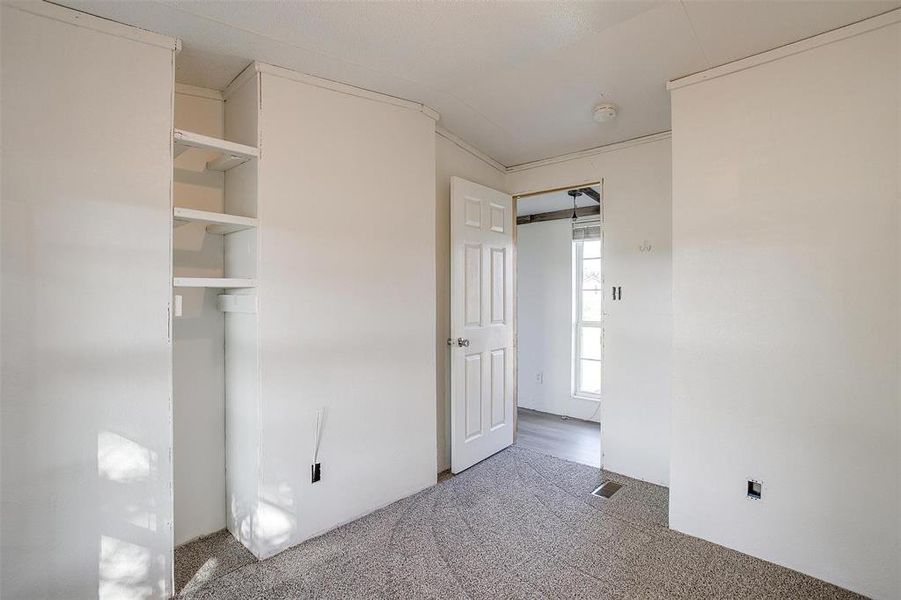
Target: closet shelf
[
  {"x": 232, "y": 154},
  {"x": 216, "y": 223},
  {"x": 213, "y": 282}
]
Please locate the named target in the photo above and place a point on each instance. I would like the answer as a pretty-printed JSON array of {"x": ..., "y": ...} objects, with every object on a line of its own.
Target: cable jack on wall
[{"x": 316, "y": 468}]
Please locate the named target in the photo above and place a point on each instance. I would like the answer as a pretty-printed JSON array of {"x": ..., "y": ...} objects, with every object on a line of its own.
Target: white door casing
[{"x": 482, "y": 361}]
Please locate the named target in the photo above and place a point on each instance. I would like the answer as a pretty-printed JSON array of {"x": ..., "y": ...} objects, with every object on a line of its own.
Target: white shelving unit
[
  {"x": 231, "y": 154},
  {"x": 216, "y": 223},
  {"x": 213, "y": 282}
]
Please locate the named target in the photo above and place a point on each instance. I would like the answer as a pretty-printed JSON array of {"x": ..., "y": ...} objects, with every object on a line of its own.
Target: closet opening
[{"x": 215, "y": 228}]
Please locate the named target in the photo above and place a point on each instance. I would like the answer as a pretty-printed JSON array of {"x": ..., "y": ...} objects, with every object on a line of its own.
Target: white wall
[
  {"x": 198, "y": 335},
  {"x": 86, "y": 474},
  {"x": 347, "y": 306},
  {"x": 786, "y": 301},
  {"x": 451, "y": 159},
  {"x": 635, "y": 405},
  {"x": 544, "y": 281}
]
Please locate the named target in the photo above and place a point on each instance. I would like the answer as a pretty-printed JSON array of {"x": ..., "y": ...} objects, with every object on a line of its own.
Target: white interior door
[{"x": 481, "y": 346}]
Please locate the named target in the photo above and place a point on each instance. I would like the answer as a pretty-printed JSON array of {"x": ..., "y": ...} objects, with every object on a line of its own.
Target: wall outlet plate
[{"x": 755, "y": 489}]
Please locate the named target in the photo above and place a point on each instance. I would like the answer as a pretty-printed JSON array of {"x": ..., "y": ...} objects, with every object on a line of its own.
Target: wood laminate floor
[{"x": 569, "y": 439}]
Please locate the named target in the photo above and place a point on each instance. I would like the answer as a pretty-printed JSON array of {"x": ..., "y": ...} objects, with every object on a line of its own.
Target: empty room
[{"x": 450, "y": 299}]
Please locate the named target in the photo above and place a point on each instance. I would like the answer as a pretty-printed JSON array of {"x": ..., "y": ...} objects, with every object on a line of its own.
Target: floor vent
[{"x": 606, "y": 489}]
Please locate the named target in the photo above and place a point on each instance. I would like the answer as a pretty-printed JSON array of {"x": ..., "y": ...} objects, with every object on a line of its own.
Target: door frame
[
  {"x": 526, "y": 194},
  {"x": 515, "y": 321}
]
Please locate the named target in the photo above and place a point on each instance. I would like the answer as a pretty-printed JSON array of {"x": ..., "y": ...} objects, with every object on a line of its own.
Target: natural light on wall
[
  {"x": 127, "y": 567},
  {"x": 122, "y": 460},
  {"x": 587, "y": 295},
  {"x": 124, "y": 570}
]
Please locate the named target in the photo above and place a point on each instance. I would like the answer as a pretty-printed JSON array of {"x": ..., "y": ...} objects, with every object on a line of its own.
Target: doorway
[{"x": 559, "y": 322}]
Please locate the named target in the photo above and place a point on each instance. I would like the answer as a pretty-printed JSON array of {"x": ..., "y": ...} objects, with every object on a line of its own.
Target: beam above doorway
[
  {"x": 566, "y": 213},
  {"x": 591, "y": 193}
]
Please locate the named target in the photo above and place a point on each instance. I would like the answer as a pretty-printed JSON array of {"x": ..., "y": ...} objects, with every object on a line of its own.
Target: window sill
[{"x": 584, "y": 397}]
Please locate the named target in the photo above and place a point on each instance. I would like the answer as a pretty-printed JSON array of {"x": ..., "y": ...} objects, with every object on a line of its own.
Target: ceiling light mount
[
  {"x": 604, "y": 112},
  {"x": 575, "y": 194}
]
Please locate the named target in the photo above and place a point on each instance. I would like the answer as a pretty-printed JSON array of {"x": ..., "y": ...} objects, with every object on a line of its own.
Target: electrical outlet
[
  {"x": 539, "y": 377},
  {"x": 317, "y": 475},
  {"x": 755, "y": 489}
]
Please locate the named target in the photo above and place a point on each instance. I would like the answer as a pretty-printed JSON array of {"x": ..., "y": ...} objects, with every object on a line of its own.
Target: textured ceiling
[{"x": 515, "y": 79}]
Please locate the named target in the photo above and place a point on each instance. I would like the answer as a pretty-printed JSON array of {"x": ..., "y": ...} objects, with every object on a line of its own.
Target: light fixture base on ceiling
[{"x": 604, "y": 112}]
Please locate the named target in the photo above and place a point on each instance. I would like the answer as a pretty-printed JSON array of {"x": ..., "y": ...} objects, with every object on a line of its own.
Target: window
[{"x": 587, "y": 332}]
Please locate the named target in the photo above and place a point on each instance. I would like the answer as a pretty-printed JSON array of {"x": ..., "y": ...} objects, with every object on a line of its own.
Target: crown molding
[
  {"x": 646, "y": 139},
  {"x": 464, "y": 145},
  {"x": 87, "y": 21},
  {"x": 249, "y": 72},
  {"x": 836, "y": 35},
  {"x": 328, "y": 84},
  {"x": 198, "y": 92}
]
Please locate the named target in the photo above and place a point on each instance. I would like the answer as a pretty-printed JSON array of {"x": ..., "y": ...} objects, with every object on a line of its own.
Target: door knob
[{"x": 459, "y": 342}]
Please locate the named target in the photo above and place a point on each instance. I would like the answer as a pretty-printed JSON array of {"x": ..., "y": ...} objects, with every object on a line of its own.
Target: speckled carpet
[{"x": 518, "y": 525}]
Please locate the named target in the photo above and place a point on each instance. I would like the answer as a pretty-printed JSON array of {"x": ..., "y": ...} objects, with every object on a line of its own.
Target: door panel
[
  {"x": 481, "y": 316},
  {"x": 498, "y": 285},
  {"x": 473, "y": 399},
  {"x": 473, "y": 278},
  {"x": 498, "y": 387},
  {"x": 498, "y": 217}
]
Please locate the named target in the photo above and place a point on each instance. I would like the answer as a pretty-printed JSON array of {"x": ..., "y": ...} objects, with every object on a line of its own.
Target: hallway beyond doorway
[{"x": 570, "y": 439}]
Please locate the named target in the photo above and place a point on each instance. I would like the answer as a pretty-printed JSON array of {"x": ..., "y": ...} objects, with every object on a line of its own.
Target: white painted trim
[
  {"x": 213, "y": 282},
  {"x": 470, "y": 148},
  {"x": 656, "y": 137},
  {"x": 249, "y": 72},
  {"x": 80, "y": 19},
  {"x": 198, "y": 92},
  {"x": 647, "y": 139},
  {"x": 836, "y": 35},
  {"x": 328, "y": 84},
  {"x": 430, "y": 112},
  {"x": 175, "y": 305},
  {"x": 543, "y": 190}
]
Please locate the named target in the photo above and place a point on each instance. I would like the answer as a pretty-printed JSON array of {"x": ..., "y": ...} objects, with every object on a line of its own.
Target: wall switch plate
[{"x": 317, "y": 474}]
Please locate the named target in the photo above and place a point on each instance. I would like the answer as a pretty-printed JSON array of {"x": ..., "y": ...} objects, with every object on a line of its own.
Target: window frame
[{"x": 579, "y": 324}]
